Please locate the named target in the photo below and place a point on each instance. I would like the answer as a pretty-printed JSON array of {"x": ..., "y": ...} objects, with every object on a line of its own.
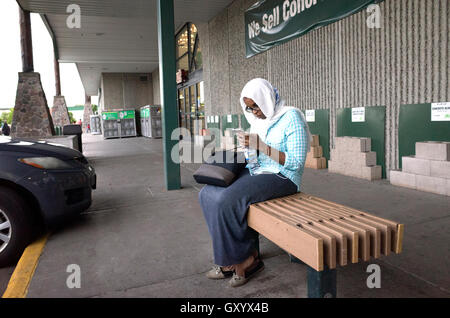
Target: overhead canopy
[{"x": 116, "y": 35}]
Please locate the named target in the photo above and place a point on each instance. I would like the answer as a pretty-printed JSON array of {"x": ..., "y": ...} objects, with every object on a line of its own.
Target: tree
[
  {"x": 94, "y": 108},
  {"x": 7, "y": 116},
  {"x": 71, "y": 118}
]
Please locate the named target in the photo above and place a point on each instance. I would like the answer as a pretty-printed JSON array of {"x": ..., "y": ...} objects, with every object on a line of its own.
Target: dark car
[{"x": 42, "y": 185}]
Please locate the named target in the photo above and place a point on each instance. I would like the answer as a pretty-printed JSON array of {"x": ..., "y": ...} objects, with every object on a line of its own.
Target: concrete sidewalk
[{"x": 139, "y": 240}]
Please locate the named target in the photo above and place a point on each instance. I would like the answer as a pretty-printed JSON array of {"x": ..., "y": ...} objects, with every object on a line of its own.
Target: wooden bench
[{"x": 323, "y": 235}]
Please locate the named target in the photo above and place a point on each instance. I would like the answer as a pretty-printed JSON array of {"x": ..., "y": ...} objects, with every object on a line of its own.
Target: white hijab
[{"x": 268, "y": 100}]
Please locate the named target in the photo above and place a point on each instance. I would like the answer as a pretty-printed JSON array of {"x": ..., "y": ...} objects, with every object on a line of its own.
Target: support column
[
  {"x": 25, "y": 41},
  {"x": 60, "y": 113},
  {"x": 87, "y": 112},
  {"x": 31, "y": 117},
  {"x": 167, "y": 73}
]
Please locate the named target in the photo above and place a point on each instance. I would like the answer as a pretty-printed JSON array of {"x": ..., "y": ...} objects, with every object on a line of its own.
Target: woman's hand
[
  {"x": 249, "y": 140},
  {"x": 254, "y": 142}
]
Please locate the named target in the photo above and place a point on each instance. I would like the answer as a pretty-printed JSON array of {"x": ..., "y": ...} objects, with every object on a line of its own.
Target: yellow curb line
[{"x": 21, "y": 278}]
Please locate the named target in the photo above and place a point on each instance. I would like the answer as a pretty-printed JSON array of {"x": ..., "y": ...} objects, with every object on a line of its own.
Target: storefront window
[
  {"x": 192, "y": 108},
  {"x": 188, "y": 52},
  {"x": 190, "y": 95},
  {"x": 182, "y": 42}
]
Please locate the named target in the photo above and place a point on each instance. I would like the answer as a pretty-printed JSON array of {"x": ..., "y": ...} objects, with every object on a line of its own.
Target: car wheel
[{"x": 15, "y": 226}]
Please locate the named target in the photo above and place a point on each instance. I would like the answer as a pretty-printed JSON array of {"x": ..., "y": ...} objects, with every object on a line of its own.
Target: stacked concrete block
[
  {"x": 314, "y": 158},
  {"x": 428, "y": 170},
  {"x": 227, "y": 140},
  {"x": 352, "y": 156}
]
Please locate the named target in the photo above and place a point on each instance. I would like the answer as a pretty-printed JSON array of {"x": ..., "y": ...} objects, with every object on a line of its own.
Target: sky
[{"x": 11, "y": 62}]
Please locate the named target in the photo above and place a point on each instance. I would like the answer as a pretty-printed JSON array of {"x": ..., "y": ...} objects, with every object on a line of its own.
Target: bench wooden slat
[
  {"x": 385, "y": 230},
  {"x": 322, "y": 233},
  {"x": 364, "y": 233},
  {"x": 352, "y": 235},
  {"x": 341, "y": 237},
  {"x": 330, "y": 241},
  {"x": 301, "y": 243},
  {"x": 396, "y": 228},
  {"x": 375, "y": 233}
]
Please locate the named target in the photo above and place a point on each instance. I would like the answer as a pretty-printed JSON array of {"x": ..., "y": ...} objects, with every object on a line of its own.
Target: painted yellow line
[{"x": 21, "y": 278}]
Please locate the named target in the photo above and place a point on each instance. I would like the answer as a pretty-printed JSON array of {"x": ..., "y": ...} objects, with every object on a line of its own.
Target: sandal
[
  {"x": 218, "y": 273},
  {"x": 237, "y": 280}
]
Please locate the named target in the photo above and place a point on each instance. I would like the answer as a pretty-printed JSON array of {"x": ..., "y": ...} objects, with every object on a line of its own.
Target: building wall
[
  {"x": 344, "y": 64},
  {"x": 156, "y": 88},
  {"x": 126, "y": 90}
]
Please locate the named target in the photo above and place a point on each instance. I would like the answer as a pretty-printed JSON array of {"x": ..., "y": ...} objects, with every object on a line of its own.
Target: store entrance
[{"x": 191, "y": 109}]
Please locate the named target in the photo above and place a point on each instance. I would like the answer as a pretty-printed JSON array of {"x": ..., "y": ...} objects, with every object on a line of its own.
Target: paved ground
[{"x": 139, "y": 240}]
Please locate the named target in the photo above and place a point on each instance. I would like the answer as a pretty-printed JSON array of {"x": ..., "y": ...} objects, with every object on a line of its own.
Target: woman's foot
[
  {"x": 244, "y": 270},
  {"x": 241, "y": 279},
  {"x": 220, "y": 272}
]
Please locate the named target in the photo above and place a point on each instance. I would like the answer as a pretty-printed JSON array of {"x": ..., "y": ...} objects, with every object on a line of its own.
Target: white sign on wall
[
  {"x": 229, "y": 119},
  {"x": 216, "y": 119},
  {"x": 310, "y": 115},
  {"x": 440, "y": 111},
  {"x": 358, "y": 114}
]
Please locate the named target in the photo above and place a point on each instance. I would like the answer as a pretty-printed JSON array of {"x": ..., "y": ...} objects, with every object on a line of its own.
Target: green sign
[
  {"x": 126, "y": 114},
  {"x": 272, "y": 22},
  {"x": 110, "y": 116}
]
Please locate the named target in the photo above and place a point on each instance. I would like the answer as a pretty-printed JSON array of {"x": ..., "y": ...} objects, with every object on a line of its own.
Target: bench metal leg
[
  {"x": 321, "y": 284},
  {"x": 257, "y": 244}
]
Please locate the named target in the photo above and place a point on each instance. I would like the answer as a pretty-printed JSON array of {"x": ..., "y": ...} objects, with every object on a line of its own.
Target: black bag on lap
[{"x": 221, "y": 169}]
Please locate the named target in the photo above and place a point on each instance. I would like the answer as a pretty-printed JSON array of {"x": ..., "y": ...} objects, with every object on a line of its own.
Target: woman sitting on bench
[{"x": 281, "y": 136}]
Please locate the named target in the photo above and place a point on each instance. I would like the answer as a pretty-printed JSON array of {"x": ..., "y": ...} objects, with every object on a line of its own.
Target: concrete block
[
  {"x": 402, "y": 179},
  {"x": 411, "y": 164},
  {"x": 440, "y": 169},
  {"x": 365, "y": 159},
  {"x": 314, "y": 140},
  {"x": 352, "y": 170},
  {"x": 334, "y": 154},
  {"x": 433, "y": 150},
  {"x": 199, "y": 141},
  {"x": 227, "y": 143},
  {"x": 323, "y": 162},
  {"x": 315, "y": 151},
  {"x": 431, "y": 184},
  {"x": 314, "y": 163},
  {"x": 353, "y": 144},
  {"x": 371, "y": 173}
]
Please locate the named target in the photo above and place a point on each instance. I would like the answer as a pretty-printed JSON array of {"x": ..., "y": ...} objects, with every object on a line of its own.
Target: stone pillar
[
  {"x": 87, "y": 113},
  {"x": 31, "y": 117},
  {"x": 60, "y": 114}
]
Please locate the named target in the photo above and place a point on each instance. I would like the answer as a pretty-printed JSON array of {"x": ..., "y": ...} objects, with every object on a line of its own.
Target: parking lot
[{"x": 140, "y": 240}]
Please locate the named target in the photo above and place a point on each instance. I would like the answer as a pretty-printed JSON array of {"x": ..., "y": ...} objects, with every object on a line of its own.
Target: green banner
[
  {"x": 110, "y": 116},
  {"x": 127, "y": 114},
  {"x": 272, "y": 22}
]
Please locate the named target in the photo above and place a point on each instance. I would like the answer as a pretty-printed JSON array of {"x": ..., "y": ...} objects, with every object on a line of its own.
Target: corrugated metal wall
[{"x": 345, "y": 64}]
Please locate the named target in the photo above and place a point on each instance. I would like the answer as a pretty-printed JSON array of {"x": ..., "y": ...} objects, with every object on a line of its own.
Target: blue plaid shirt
[{"x": 287, "y": 135}]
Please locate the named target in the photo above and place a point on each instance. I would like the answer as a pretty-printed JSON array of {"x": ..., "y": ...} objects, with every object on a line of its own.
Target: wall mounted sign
[
  {"x": 440, "y": 111},
  {"x": 310, "y": 115},
  {"x": 358, "y": 115},
  {"x": 272, "y": 22}
]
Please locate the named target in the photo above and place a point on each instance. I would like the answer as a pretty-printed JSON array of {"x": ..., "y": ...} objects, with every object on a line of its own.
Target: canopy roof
[{"x": 116, "y": 36}]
